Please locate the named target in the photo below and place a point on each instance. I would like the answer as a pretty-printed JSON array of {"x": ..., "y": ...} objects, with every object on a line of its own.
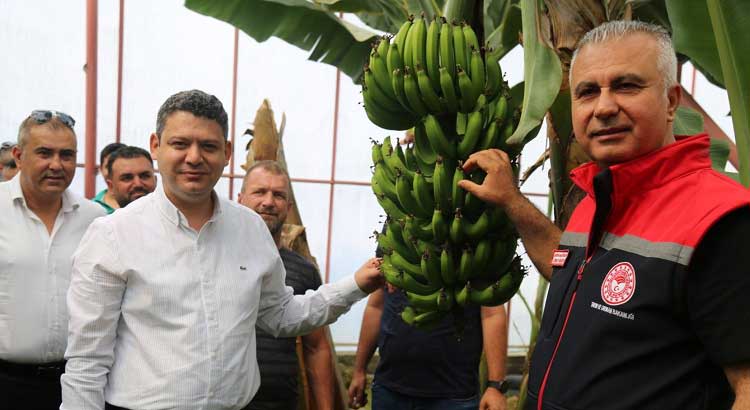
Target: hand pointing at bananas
[{"x": 499, "y": 186}]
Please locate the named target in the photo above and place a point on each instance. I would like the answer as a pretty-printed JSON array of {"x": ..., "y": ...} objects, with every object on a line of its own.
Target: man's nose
[
  {"x": 55, "y": 163},
  {"x": 194, "y": 155},
  {"x": 606, "y": 104}
]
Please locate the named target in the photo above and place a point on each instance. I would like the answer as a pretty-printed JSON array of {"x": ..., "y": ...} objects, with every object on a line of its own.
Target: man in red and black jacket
[{"x": 649, "y": 301}]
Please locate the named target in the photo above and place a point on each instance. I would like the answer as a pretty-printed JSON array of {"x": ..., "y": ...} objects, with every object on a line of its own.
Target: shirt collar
[
  {"x": 173, "y": 214},
  {"x": 70, "y": 202},
  {"x": 687, "y": 154}
]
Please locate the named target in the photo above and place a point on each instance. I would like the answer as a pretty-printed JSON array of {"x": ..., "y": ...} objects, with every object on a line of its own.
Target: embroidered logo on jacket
[{"x": 619, "y": 284}]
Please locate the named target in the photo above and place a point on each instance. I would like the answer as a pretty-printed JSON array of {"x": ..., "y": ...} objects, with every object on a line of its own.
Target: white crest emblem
[{"x": 619, "y": 284}]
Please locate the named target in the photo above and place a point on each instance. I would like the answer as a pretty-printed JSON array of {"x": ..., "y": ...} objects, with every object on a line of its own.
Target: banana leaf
[
  {"x": 306, "y": 25},
  {"x": 731, "y": 26},
  {"x": 542, "y": 74},
  {"x": 688, "y": 122},
  {"x": 693, "y": 36},
  {"x": 504, "y": 37}
]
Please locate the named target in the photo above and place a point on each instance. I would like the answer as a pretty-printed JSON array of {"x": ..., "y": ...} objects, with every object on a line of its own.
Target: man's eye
[
  {"x": 179, "y": 144},
  {"x": 210, "y": 147}
]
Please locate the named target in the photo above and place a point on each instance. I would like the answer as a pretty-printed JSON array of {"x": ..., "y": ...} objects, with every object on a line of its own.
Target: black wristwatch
[{"x": 501, "y": 386}]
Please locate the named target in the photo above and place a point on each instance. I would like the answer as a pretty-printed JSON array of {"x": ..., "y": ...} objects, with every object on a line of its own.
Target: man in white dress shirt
[
  {"x": 165, "y": 294},
  {"x": 42, "y": 223}
]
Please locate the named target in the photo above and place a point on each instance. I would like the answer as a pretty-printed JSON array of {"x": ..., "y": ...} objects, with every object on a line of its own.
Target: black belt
[{"x": 55, "y": 369}]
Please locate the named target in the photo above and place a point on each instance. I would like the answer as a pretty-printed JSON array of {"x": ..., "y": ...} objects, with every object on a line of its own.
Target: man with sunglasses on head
[
  {"x": 42, "y": 224},
  {"x": 8, "y": 167}
]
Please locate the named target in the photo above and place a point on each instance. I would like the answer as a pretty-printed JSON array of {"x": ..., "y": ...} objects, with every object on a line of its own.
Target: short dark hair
[
  {"x": 196, "y": 102},
  {"x": 108, "y": 150},
  {"x": 127, "y": 152}
]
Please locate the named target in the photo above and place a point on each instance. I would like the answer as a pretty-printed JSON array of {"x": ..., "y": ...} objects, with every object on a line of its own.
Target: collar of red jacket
[{"x": 687, "y": 154}]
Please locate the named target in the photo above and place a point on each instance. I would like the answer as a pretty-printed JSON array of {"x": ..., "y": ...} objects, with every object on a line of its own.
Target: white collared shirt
[
  {"x": 163, "y": 317},
  {"x": 35, "y": 272}
]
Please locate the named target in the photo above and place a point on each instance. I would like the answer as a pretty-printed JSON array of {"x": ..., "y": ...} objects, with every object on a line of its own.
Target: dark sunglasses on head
[
  {"x": 7, "y": 145},
  {"x": 42, "y": 116}
]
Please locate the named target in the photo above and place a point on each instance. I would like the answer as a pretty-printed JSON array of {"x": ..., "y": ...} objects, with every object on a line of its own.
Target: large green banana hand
[
  {"x": 385, "y": 117},
  {"x": 438, "y": 140}
]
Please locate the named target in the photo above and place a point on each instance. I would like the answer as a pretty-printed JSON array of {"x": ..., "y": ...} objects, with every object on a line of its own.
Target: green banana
[
  {"x": 397, "y": 83},
  {"x": 377, "y": 156},
  {"x": 446, "y": 300},
  {"x": 427, "y": 302},
  {"x": 411, "y": 89},
  {"x": 482, "y": 254},
  {"x": 394, "y": 160},
  {"x": 462, "y": 295},
  {"x": 448, "y": 90},
  {"x": 410, "y": 284},
  {"x": 418, "y": 230},
  {"x": 410, "y": 158},
  {"x": 406, "y": 197},
  {"x": 473, "y": 206},
  {"x": 430, "y": 265},
  {"x": 448, "y": 267},
  {"x": 457, "y": 193},
  {"x": 456, "y": 230},
  {"x": 418, "y": 41},
  {"x": 459, "y": 47},
  {"x": 461, "y": 120},
  {"x": 440, "y": 228},
  {"x": 422, "y": 148},
  {"x": 432, "y": 54},
  {"x": 408, "y": 315},
  {"x": 400, "y": 37},
  {"x": 407, "y": 49},
  {"x": 466, "y": 90},
  {"x": 383, "y": 117},
  {"x": 385, "y": 185},
  {"x": 478, "y": 230},
  {"x": 472, "y": 43},
  {"x": 428, "y": 320},
  {"x": 427, "y": 246},
  {"x": 423, "y": 192},
  {"x": 447, "y": 58},
  {"x": 393, "y": 60},
  {"x": 503, "y": 252},
  {"x": 441, "y": 187},
  {"x": 471, "y": 137},
  {"x": 466, "y": 265},
  {"x": 487, "y": 295},
  {"x": 380, "y": 72},
  {"x": 494, "y": 73},
  {"x": 489, "y": 138},
  {"x": 505, "y": 133},
  {"x": 501, "y": 109},
  {"x": 399, "y": 262},
  {"x": 378, "y": 95},
  {"x": 438, "y": 140},
  {"x": 430, "y": 98},
  {"x": 477, "y": 72},
  {"x": 398, "y": 245},
  {"x": 390, "y": 207}
]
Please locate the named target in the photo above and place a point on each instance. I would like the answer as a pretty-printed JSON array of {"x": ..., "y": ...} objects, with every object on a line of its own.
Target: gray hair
[
  {"x": 196, "y": 102},
  {"x": 666, "y": 62},
  {"x": 54, "y": 123}
]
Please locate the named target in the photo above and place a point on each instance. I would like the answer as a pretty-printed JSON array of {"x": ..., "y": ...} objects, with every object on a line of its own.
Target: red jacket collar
[{"x": 688, "y": 154}]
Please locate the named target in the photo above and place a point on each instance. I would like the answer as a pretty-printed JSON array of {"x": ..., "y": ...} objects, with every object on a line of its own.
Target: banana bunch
[{"x": 442, "y": 246}]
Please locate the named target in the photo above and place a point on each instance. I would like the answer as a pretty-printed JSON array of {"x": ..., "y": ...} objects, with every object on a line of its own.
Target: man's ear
[
  {"x": 153, "y": 144},
  {"x": 674, "y": 95},
  {"x": 109, "y": 184}
]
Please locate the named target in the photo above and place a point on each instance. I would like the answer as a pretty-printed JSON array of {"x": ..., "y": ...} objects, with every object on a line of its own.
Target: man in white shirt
[
  {"x": 42, "y": 223},
  {"x": 165, "y": 294}
]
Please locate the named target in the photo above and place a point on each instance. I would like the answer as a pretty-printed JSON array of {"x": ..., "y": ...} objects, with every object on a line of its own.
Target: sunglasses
[{"x": 42, "y": 116}]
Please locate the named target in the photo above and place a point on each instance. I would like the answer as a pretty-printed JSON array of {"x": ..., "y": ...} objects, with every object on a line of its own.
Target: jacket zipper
[{"x": 540, "y": 399}]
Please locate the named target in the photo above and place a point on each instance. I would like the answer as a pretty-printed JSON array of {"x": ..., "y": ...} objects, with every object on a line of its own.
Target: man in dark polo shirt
[{"x": 265, "y": 190}]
